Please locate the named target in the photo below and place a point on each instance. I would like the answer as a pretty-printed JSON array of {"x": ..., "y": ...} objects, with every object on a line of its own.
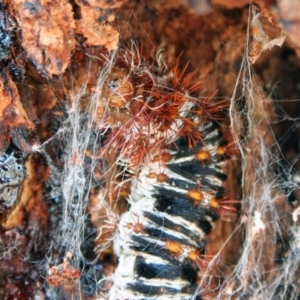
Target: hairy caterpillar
[
  {"x": 169, "y": 140},
  {"x": 162, "y": 258}
]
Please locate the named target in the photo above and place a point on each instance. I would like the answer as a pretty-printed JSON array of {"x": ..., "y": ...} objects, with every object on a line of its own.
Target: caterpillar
[
  {"x": 159, "y": 255},
  {"x": 172, "y": 145}
]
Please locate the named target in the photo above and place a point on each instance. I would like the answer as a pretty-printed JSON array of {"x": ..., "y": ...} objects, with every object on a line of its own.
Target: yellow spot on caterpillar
[
  {"x": 162, "y": 177},
  {"x": 193, "y": 255},
  {"x": 174, "y": 247},
  {"x": 163, "y": 157},
  {"x": 221, "y": 150},
  {"x": 214, "y": 203},
  {"x": 151, "y": 175},
  {"x": 196, "y": 195},
  {"x": 202, "y": 155}
]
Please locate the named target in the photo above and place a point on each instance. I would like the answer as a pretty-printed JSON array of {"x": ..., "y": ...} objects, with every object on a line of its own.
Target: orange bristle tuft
[{"x": 224, "y": 207}]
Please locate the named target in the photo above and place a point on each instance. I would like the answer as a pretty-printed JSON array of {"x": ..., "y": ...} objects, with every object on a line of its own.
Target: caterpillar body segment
[{"x": 161, "y": 258}]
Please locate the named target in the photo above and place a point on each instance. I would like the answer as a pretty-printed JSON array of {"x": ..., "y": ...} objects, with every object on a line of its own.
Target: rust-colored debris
[
  {"x": 95, "y": 25},
  {"x": 47, "y": 32},
  {"x": 14, "y": 121}
]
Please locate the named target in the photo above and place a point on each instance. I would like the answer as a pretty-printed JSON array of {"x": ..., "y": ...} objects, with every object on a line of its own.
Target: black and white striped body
[{"x": 163, "y": 212}]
